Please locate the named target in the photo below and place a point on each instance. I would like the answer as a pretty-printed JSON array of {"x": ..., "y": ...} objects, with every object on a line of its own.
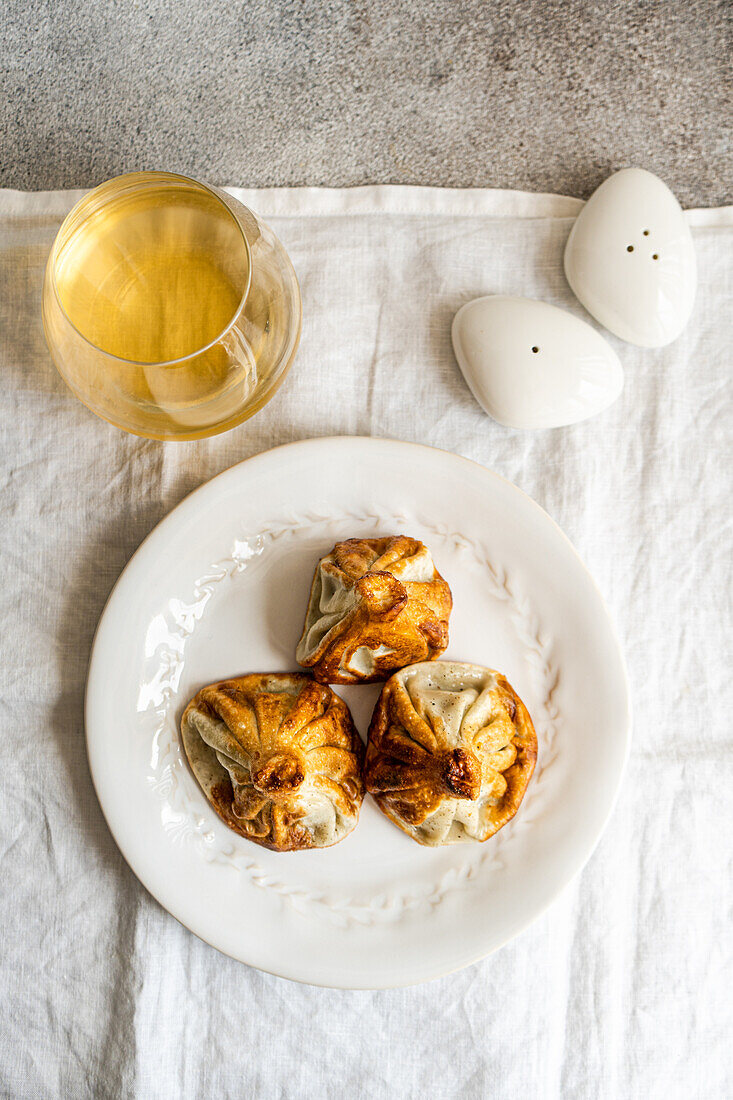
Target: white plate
[{"x": 220, "y": 587}]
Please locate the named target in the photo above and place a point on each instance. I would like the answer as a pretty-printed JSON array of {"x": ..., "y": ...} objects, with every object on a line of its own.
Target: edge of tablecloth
[{"x": 378, "y": 199}]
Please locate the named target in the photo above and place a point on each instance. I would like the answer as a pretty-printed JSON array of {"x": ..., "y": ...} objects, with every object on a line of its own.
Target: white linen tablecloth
[{"x": 623, "y": 988}]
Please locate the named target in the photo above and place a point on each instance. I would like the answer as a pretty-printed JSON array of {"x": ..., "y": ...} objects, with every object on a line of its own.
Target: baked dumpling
[
  {"x": 375, "y": 605},
  {"x": 451, "y": 750},
  {"x": 278, "y": 757}
]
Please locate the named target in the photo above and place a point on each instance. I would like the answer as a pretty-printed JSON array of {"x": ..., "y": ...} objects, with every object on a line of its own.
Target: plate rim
[{"x": 588, "y": 849}]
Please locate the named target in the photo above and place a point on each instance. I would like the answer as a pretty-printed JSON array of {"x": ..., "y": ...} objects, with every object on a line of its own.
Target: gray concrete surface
[{"x": 546, "y": 96}]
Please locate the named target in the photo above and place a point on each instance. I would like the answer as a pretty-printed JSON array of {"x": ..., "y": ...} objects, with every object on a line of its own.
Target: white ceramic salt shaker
[
  {"x": 533, "y": 365},
  {"x": 630, "y": 259}
]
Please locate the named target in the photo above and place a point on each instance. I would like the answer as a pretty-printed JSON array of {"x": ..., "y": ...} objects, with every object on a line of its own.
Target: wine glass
[{"x": 169, "y": 309}]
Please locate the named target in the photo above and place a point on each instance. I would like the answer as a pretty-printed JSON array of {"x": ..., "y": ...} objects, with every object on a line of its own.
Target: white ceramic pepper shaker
[{"x": 630, "y": 259}]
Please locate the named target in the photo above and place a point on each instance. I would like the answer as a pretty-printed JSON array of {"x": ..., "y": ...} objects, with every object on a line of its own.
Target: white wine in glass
[{"x": 169, "y": 308}]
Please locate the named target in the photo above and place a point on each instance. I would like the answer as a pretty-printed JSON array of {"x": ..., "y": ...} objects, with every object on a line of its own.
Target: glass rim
[{"x": 145, "y": 178}]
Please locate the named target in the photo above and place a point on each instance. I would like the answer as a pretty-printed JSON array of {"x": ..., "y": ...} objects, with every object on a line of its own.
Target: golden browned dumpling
[
  {"x": 375, "y": 605},
  {"x": 451, "y": 750},
  {"x": 278, "y": 757}
]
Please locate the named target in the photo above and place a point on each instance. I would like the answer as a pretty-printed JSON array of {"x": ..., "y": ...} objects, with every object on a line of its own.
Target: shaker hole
[
  {"x": 535, "y": 350},
  {"x": 655, "y": 255},
  {"x": 646, "y": 232},
  {"x": 630, "y": 248}
]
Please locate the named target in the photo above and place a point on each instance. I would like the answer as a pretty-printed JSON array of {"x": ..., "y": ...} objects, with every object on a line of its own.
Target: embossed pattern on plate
[{"x": 185, "y": 813}]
